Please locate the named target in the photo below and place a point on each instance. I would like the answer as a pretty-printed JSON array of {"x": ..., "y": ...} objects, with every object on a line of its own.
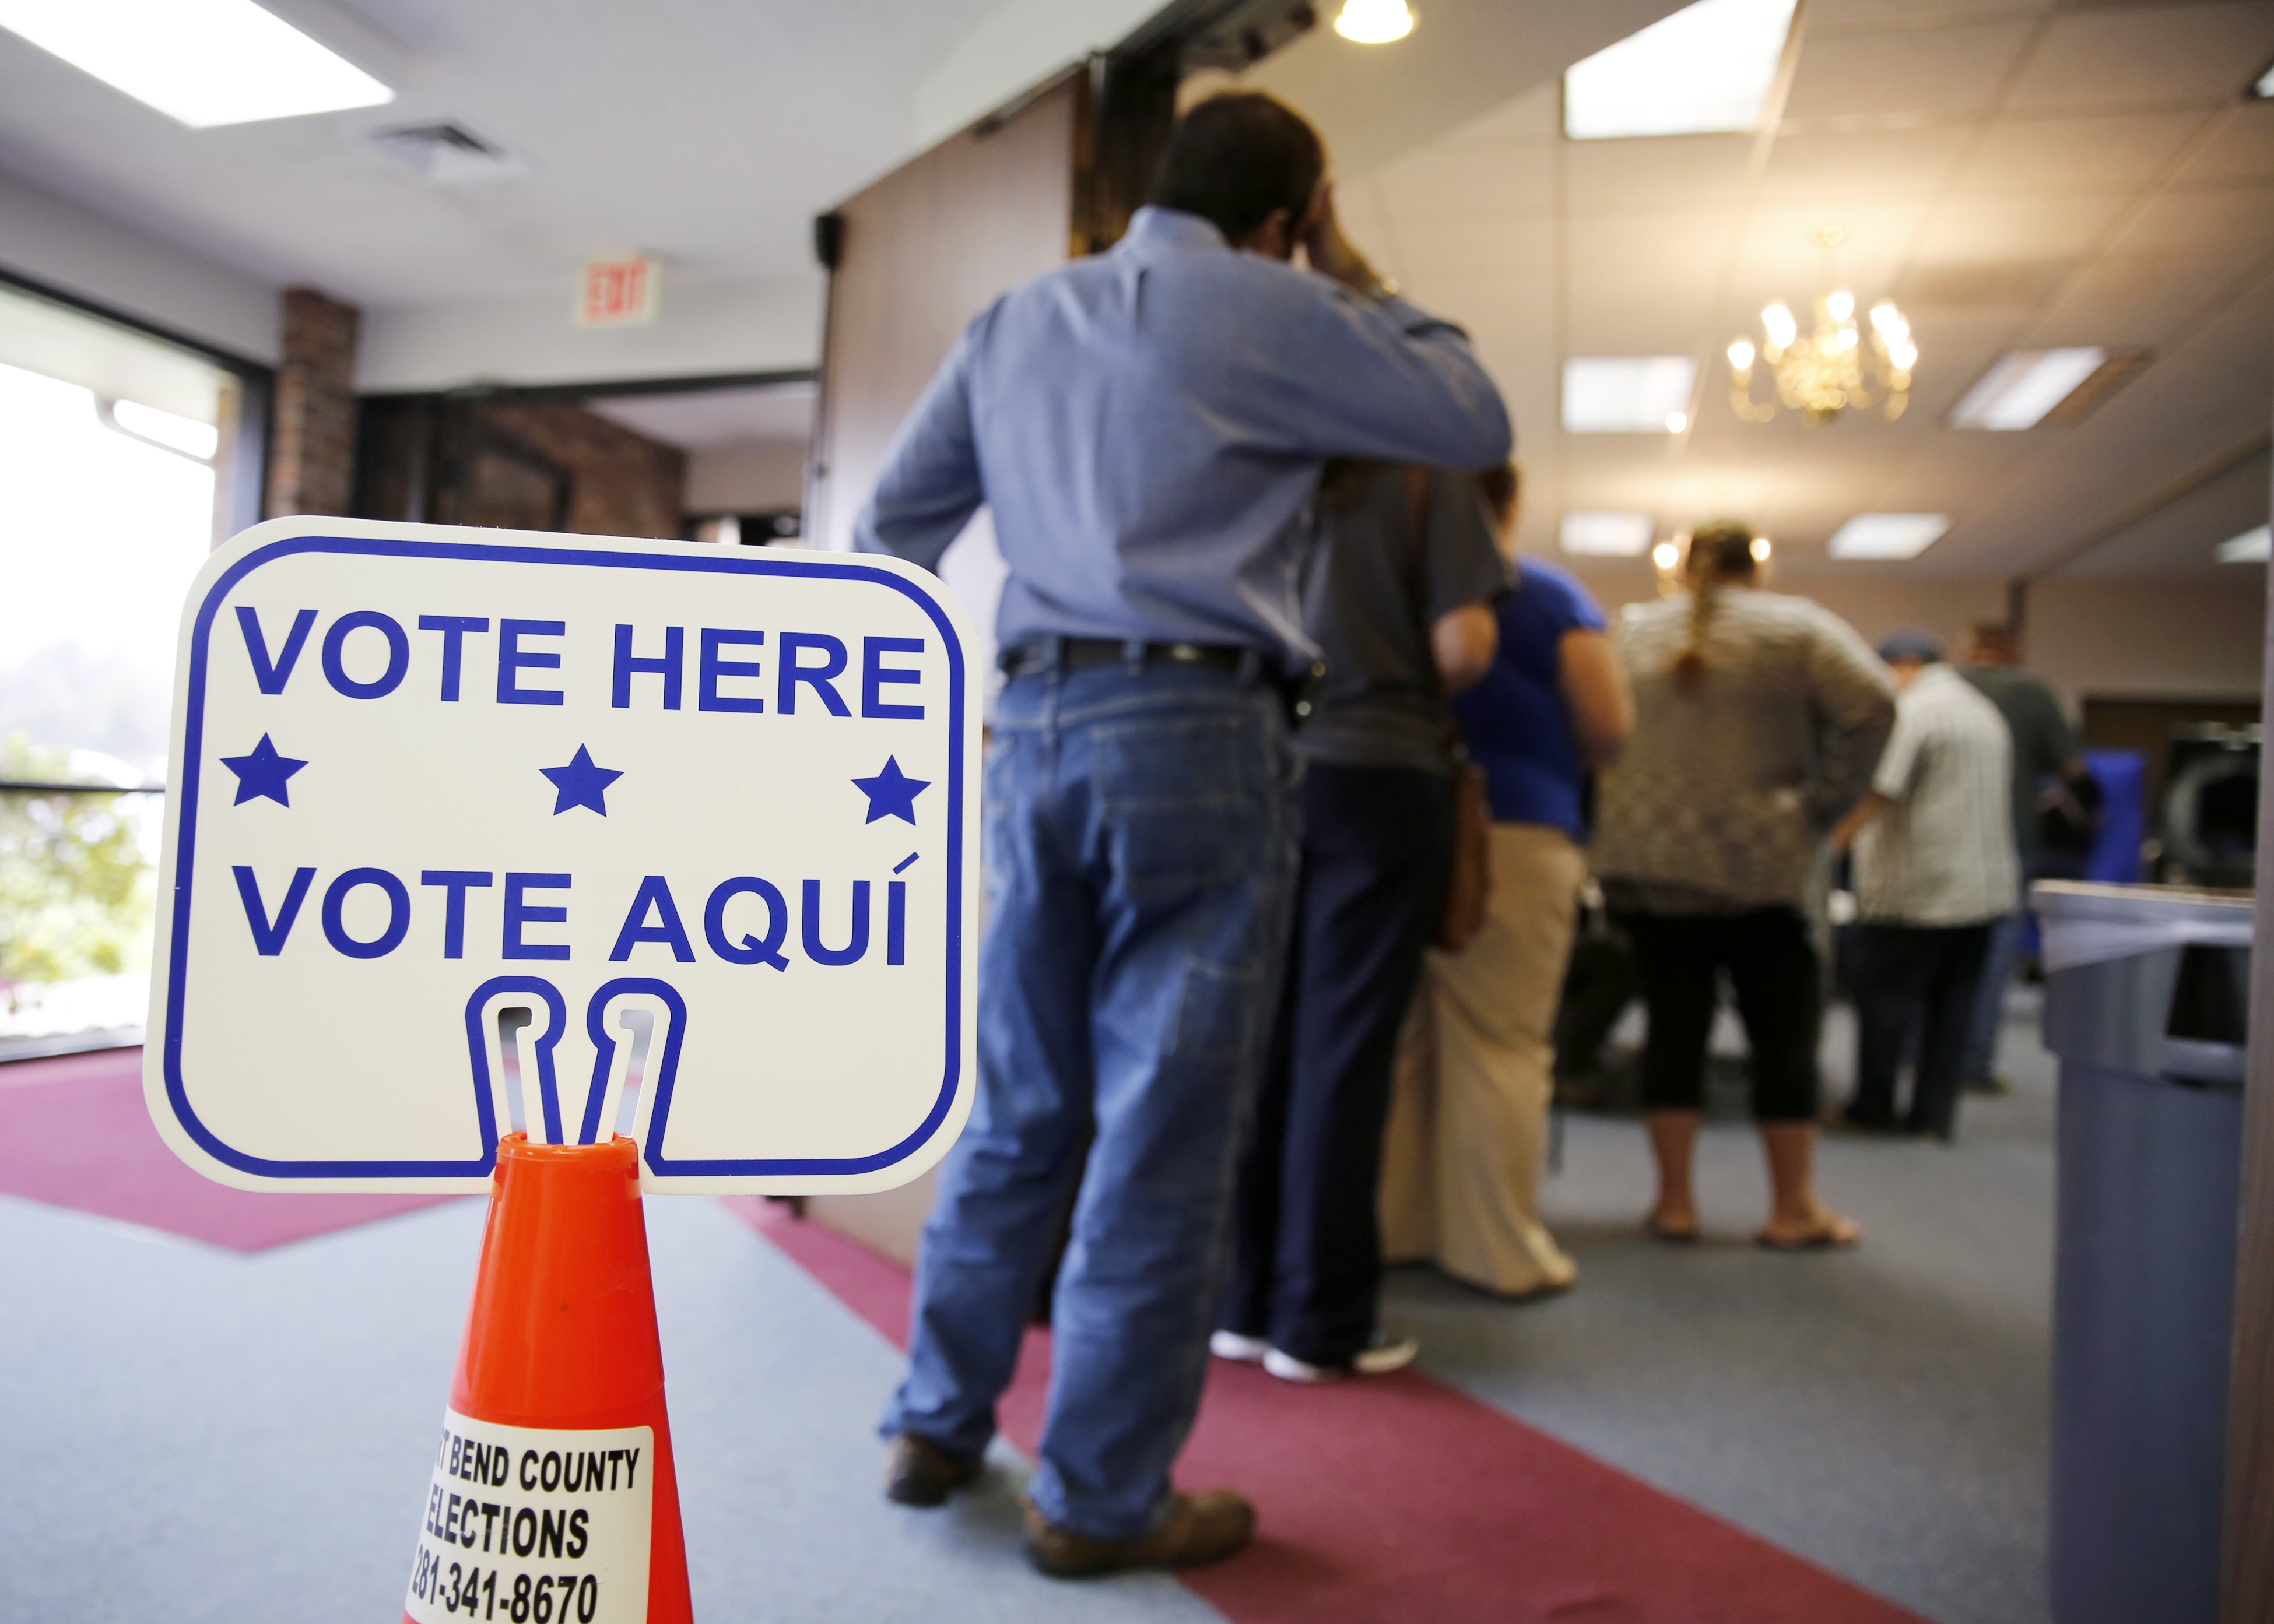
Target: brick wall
[
  {"x": 312, "y": 454},
  {"x": 620, "y": 483}
]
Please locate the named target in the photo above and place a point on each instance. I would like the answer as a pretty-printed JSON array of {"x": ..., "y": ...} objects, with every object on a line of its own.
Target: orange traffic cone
[{"x": 553, "y": 1501}]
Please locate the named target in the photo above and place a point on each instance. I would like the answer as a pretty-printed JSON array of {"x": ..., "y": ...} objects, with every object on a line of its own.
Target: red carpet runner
[
  {"x": 74, "y": 1132},
  {"x": 1401, "y": 1500}
]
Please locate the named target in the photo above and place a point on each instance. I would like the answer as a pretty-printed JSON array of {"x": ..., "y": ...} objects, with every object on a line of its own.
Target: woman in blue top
[{"x": 1476, "y": 1068}]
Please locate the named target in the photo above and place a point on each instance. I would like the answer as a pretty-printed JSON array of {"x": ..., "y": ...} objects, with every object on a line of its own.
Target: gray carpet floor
[{"x": 1882, "y": 1412}]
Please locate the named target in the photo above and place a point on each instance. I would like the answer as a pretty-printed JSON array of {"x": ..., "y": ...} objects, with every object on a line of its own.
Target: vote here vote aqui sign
[{"x": 473, "y": 829}]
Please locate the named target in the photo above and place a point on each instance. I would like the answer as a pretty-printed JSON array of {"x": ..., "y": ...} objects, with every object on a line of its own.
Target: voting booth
[{"x": 580, "y": 866}]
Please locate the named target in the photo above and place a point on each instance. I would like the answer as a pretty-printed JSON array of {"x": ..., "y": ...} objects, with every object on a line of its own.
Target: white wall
[
  {"x": 701, "y": 330},
  {"x": 746, "y": 479},
  {"x": 2114, "y": 639},
  {"x": 58, "y": 242}
]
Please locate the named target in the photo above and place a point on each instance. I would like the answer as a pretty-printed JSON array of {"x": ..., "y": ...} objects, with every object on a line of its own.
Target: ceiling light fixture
[
  {"x": 2251, "y": 547},
  {"x": 2261, "y": 88},
  {"x": 202, "y": 62},
  {"x": 1706, "y": 69},
  {"x": 1834, "y": 368},
  {"x": 1607, "y": 535},
  {"x": 1888, "y": 534},
  {"x": 1666, "y": 555},
  {"x": 2023, "y": 385},
  {"x": 1374, "y": 22},
  {"x": 1628, "y": 395}
]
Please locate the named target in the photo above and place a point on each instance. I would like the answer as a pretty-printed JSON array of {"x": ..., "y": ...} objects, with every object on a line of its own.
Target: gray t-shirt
[
  {"x": 1388, "y": 563},
  {"x": 2044, "y": 742}
]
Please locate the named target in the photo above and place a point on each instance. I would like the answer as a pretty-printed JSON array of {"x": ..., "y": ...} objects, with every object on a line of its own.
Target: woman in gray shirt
[{"x": 1758, "y": 719}]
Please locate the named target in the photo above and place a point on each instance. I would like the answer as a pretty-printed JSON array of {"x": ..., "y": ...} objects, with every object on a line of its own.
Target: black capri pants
[{"x": 1772, "y": 966}]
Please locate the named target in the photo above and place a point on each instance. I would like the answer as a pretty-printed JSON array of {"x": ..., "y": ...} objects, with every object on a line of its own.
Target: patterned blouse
[{"x": 1725, "y": 791}]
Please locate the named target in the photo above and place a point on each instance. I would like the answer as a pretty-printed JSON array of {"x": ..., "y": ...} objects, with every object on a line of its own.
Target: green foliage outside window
[{"x": 77, "y": 895}]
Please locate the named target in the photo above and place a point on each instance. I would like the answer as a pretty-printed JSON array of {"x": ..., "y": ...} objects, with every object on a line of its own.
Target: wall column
[{"x": 312, "y": 450}]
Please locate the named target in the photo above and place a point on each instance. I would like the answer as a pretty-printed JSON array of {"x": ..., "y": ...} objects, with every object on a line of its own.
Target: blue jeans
[{"x": 1141, "y": 831}]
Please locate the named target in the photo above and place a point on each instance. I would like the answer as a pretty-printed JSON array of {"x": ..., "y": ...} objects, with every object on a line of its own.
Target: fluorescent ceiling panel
[
  {"x": 2250, "y": 547},
  {"x": 1625, "y": 395},
  {"x": 2023, "y": 385},
  {"x": 202, "y": 62},
  {"x": 1607, "y": 535},
  {"x": 1706, "y": 69},
  {"x": 1888, "y": 534}
]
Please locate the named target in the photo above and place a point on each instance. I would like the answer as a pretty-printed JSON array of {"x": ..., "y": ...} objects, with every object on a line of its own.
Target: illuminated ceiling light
[
  {"x": 1607, "y": 535},
  {"x": 1676, "y": 421},
  {"x": 1777, "y": 322},
  {"x": 200, "y": 62},
  {"x": 1741, "y": 355},
  {"x": 2261, "y": 88},
  {"x": 1888, "y": 534},
  {"x": 1627, "y": 395},
  {"x": 1706, "y": 69},
  {"x": 1666, "y": 555},
  {"x": 170, "y": 430},
  {"x": 1831, "y": 370},
  {"x": 2250, "y": 547},
  {"x": 1374, "y": 22},
  {"x": 2023, "y": 385},
  {"x": 1761, "y": 549}
]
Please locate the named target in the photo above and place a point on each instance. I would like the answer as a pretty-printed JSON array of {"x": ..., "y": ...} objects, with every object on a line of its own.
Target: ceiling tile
[
  {"x": 2138, "y": 301},
  {"x": 1837, "y": 167},
  {"x": 1474, "y": 244},
  {"x": 1533, "y": 119},
  {"x": 1955, "y": 70},
  {"x": 2167, "y": 53},
  {"x": 1832, "y": 17},
  {"x": 2201, "y": 219},
  {"x": 2108, "y": 154},
  {"x": 1618, "y": 176},
  {"x": 1972, "y": 229},
  {"x": 2241, "y": 148}
]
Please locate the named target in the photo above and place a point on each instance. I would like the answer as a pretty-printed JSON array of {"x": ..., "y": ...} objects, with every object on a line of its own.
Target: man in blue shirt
[{"x": 1149, "y": 427}]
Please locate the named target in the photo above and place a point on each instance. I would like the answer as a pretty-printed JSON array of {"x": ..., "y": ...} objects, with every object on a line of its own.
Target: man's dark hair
[{"x": 1234, "y": 158}]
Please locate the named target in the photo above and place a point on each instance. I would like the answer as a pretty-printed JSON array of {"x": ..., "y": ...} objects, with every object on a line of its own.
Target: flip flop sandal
[{"x": 1832, "y": 1237}]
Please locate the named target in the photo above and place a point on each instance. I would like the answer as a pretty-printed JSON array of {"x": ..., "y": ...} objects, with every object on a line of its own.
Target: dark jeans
[
  {"x": 1377, "y": 844},
  {"x": 1141, "y": 838},
  {"x": 1772, "y": 966},
  {"x": 1915, "y": 976}
]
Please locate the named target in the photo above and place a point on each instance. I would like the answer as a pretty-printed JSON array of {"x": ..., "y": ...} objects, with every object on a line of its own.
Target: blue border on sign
[{"x": 693, "y": 563}]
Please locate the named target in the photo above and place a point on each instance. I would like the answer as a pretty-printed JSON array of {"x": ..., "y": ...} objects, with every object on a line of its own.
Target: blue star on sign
[
  {"x": 261, "y": 773},
  {"x": 892, "y": 792},
  {"x": 581, "y": 784}
]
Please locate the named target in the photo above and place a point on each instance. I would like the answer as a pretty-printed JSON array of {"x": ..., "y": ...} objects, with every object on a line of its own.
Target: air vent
[{"x": 445, "y": 155}]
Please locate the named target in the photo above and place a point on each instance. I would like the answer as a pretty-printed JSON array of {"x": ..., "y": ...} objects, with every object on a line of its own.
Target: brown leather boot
[
  {"x": 919, "y": 1472},
  {"x": 1200, "y": 1528}
]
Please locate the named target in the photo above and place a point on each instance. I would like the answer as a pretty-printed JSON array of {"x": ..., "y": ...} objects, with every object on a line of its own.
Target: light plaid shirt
[{"x": 1942, "y": 853}]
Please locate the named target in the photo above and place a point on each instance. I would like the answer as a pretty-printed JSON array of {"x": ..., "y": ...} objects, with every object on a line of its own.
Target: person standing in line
[
  {"x": 1399, "y": 601},
  {"x": 2045, "y": 751},
  {"x": 1149, "y": 426},
  {"x": 1758, "y": 719},
  {"x": 1476, "y": 1064},
  {"x": 1935, "y": 870}
]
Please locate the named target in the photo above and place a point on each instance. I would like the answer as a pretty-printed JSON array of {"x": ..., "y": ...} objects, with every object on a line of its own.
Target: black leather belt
[
  {"x": 1300, "y": 692},
  {"x": 1075, "y": 653}
]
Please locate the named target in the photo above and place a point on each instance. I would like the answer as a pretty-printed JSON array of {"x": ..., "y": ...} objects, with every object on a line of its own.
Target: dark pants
[
  {"x": 1771, "y": 967},
  {"x": 1376, "y": 846},
  {"x": 1919, "y": 977}
]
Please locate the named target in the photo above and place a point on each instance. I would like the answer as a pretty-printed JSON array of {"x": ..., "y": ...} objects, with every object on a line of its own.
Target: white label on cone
[{"x": 535, "y": 1526}]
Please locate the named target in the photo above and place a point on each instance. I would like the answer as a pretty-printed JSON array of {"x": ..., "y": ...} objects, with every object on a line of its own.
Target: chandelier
[{"x": 1834, "y": 367}]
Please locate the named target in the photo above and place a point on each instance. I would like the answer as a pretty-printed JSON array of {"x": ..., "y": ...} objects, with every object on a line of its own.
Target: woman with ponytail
[{"x": 1758, "y": 720}]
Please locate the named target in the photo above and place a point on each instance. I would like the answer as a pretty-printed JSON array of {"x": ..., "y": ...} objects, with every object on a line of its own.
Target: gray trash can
[{"x": 2146, "y": 990}]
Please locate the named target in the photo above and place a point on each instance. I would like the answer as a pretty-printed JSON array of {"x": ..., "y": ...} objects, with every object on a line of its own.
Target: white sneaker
[
  {"x": 1238, "y": 1349},
  {"x": 1379, "y": 1358}
]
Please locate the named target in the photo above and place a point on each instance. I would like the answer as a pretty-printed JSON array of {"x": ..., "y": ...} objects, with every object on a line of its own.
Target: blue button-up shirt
[{"x": 1149, "y": 427}]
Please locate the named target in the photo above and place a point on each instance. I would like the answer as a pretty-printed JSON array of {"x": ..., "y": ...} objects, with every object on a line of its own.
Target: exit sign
[{"x": 619, "y": 293}]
